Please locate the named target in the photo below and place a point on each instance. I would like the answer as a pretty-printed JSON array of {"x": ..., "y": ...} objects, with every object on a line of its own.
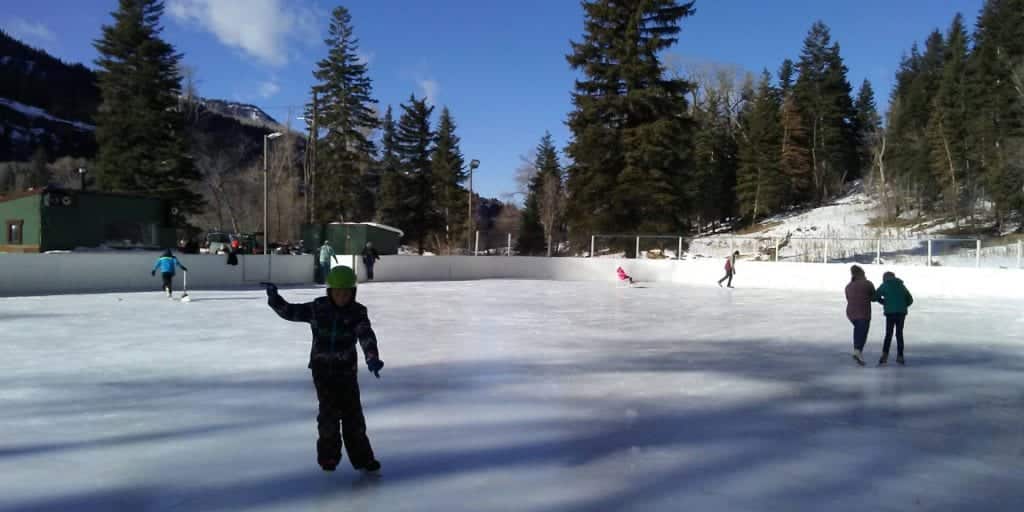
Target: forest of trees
[{"x": 655, "y": 148}]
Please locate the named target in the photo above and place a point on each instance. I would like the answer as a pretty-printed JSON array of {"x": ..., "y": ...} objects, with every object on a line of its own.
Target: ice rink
[{"x": 514, "y": 395}]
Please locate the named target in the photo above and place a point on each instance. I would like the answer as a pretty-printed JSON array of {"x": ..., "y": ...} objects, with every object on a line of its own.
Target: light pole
[
  {"x": 266, "y": 189},
  {"x": 82, "y": 171},
  {"x": 473, "y": 164}
]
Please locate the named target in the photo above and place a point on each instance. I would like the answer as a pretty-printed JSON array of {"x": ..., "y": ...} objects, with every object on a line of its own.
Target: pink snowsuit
[{"x": 623, "y": 276}]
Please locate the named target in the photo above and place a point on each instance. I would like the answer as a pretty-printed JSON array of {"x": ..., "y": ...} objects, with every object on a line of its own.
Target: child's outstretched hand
[
  {"x": 375, "y": 365},
  {"x": 271, "y": 288}
]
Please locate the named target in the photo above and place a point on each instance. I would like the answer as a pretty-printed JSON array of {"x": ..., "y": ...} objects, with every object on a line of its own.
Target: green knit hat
[{"x": 342, "y": 277}]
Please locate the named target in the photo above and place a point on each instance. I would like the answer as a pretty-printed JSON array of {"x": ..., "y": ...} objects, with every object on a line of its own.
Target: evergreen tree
[
  {"x": 448, "y": 166},
  {"x": 947, "y": 124},
  {"x": 794, "y": 159},
  {"x": 346, "y": 112},
  {"x": 786, "y": 72},
  {"x": 139, "y": 131},
  {"x": 759, "y": 186},
  {"x": 632, "y": 137},
  {"x": 712, "y": 188},
  {"x": 822, "y": 93},
  {"x": 39, "y": 169},
  {"x": 547, "y": 188},
  {"x": 392, "y": 209},
  {"x": 997, "y": 125},
  {"x": 868, "y": 123},
  {"x": 414, "y": 140}
]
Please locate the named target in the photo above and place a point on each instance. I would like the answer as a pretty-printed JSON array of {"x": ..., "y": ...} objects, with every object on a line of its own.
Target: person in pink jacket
[
  {"x": 623, "y": 276},
  {"x": 859, "y": 295}
]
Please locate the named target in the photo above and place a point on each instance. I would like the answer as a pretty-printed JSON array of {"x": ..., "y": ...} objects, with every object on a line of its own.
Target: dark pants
[
  {"x": 168, "y": 278},
  {"x": 860, "y": 333},
  {"x": 728, "y": 275},
  {"x": 325, "y": 268},
  {"x": 369, "y": 269},
  {"x": 894, "y": 322},
  {"x": 338, "y": 394}
]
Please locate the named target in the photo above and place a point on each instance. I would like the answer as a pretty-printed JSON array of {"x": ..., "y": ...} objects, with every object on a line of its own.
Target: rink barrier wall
[
  {"x": 48, "y": 274},
  {"x": 45, "y": 274}
]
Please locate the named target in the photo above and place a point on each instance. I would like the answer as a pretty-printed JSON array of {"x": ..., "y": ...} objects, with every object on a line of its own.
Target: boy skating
[
  {"x": 896, "y": 299},
  {"x": 730, "y": 268},
  {"x": 165, "y": 264},
  {"x": 338, "y": 322}
]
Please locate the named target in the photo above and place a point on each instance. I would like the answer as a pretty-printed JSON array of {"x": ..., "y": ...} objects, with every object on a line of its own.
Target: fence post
[
  {"x": 776, "y": 250},
  {"x": 509, "y": 253},
  {"x": 592, "y": 245},
  {"x": 679, "y": 253},
  {"x": 476, "y": 247},
  {"x": 826, "y": 250},
  {"x": 929, "y": 253},
  {"x": 977, "y": 260},
  {"x": 878, "y": 255},
  {"x": 1020, "y": 251},
  {"x": 638, "y": 247}
]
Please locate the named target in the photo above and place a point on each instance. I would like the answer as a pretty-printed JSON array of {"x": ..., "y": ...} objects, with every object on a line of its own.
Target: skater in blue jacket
[{"x": 165, "y": 264}]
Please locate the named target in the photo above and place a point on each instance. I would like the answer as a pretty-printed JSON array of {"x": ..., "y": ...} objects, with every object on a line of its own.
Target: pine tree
[
  {"x": 822, "y": 94},
  {"x": 139, "y": 131},
  {"x": 448, "y": 167},
  {"x": 947, "y": 124},
  {"x": 868, "y": 123},
  {"x": 631, "y": 131},
  {"x": 997, "y": 107},
  {"x": 759, "y": 185},
  {"x": 794, "y": 159},
  {"x": 786, "y": 72},
  {"x": 414, "y": 140},
  {"x": 548, "y": 189},
  {"x": 346, "y": 112},
  {"x": 392, "y": 209}
]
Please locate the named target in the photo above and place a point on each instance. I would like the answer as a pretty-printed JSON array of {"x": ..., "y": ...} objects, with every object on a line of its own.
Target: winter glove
[
  {"x": 375, "y": 366},
  {"x": 152, "y": 272},
  {"x": 183, "y": 268}
]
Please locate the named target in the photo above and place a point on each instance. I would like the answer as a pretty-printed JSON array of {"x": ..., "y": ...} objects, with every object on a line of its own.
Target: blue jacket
[{"x": 165, "y": 265}]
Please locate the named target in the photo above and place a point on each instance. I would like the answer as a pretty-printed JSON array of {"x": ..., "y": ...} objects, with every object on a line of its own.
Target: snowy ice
[{"x": 513, "y": 395}]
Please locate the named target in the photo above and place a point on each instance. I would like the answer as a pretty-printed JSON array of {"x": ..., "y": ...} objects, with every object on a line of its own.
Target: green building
[
  {"x": 55, "y": 219},
  {"x": 351, "y": 237}
]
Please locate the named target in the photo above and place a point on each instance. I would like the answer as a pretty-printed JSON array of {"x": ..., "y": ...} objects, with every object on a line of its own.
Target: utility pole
[
  {"x": 312, "y": 162},
  {"x": 473, "y": 164}
]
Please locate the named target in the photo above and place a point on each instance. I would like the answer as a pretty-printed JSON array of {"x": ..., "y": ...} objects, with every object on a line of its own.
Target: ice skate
[
  {"x": 883, "y": 360},
  {"x": 371, "y": 467},
  {"x": 857, "y": 357},
  {"x": 899, "y": 359}
]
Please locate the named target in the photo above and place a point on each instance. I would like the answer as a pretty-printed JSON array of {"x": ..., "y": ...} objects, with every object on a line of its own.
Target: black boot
[
  {"x": 899, "y": 359},
  {"x": 884, "y": 359},
  {"x": 372, "y": 466}
]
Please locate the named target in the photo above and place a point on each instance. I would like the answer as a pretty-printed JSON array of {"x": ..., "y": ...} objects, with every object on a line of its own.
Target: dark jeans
[
  {"x": 325, "y": 268},
  {"x": 168, "y": 278},
  {"x": 338, "y": 393},
  {"x": 860, "y": 333},
  {"x": 369, "y": 269},
  {"x": 728, "y": 275},
  {"x": 894, "y": 322}
]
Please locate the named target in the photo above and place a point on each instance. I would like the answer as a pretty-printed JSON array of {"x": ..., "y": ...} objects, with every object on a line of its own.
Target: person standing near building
[
  {"x": 326, "y": 255},
  {"x": 370, "y": 258}
]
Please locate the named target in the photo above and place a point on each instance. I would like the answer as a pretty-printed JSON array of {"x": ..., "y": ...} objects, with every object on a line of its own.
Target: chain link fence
[{"x": 938, "y": 251}]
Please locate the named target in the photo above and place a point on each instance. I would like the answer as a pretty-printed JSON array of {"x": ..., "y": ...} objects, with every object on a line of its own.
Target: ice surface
[{"x": 513, "y": 395}]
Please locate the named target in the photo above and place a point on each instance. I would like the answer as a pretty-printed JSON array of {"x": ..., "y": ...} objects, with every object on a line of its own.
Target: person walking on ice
[
  {"x": 730, "y": 268},
  {"x": 338, "y": 322},
  {"x": 370, "y": 258},
  {"x": 165, "y": 264},
  {"x": 326, "y": 255},
  {"x": 859, "y": 294},
  {"x": 896, "y": 300}
]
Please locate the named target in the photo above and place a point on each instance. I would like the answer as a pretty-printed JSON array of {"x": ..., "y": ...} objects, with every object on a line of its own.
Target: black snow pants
[
  {"x": 168, "y": 278},
  {"x": 728, "y": 275},
  {"x": 894, "y": 322},
  {"x": 369, "y": 268},
  {"x": 338, "y": 393}
]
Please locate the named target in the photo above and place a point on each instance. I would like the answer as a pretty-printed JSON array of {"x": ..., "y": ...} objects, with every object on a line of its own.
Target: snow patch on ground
[{"x": 37, "y": 112}]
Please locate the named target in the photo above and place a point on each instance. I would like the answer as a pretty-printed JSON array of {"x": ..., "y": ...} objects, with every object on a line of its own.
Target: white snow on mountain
[{"x": 31, "y": 111}]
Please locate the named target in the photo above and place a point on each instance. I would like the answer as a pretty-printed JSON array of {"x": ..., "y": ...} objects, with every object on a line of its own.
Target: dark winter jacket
[
  {"x": 370, "y": 255},
  {"x": 335, "y": 332},
  {"x": 859, "y": 294},
  {"x": 895, "y": 296}
]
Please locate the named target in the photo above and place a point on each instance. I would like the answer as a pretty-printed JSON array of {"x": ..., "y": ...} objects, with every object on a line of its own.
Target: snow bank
[{"x": 31, "y": 111}]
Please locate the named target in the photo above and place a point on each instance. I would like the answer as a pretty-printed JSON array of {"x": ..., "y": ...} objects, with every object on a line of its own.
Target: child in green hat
[{"x": 338, "y": 322}]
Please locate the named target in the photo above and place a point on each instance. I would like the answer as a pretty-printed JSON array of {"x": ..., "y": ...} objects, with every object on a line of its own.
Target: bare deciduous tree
[{"x": 552, "y": 209}]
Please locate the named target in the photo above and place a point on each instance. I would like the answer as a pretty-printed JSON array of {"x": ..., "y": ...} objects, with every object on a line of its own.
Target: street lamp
[
  {"x": 473, "y": 164},
  {"x": 266, "y": 190},
  {"x": 82, "y": 171}
]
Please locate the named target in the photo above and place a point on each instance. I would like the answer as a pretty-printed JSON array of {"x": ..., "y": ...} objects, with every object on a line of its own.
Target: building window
[{"x": 14, "y": 229}]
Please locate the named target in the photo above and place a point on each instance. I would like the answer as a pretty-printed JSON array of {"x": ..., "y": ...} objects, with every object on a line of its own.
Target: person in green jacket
[{"x": 896, "y": 299}]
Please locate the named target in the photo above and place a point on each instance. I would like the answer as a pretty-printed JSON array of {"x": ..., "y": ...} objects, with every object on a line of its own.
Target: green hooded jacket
[{"x": 894, "y": 296}]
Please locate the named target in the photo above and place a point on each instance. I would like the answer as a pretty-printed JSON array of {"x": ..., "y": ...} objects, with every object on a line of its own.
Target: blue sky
[{"x": 499, "y": 65}]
